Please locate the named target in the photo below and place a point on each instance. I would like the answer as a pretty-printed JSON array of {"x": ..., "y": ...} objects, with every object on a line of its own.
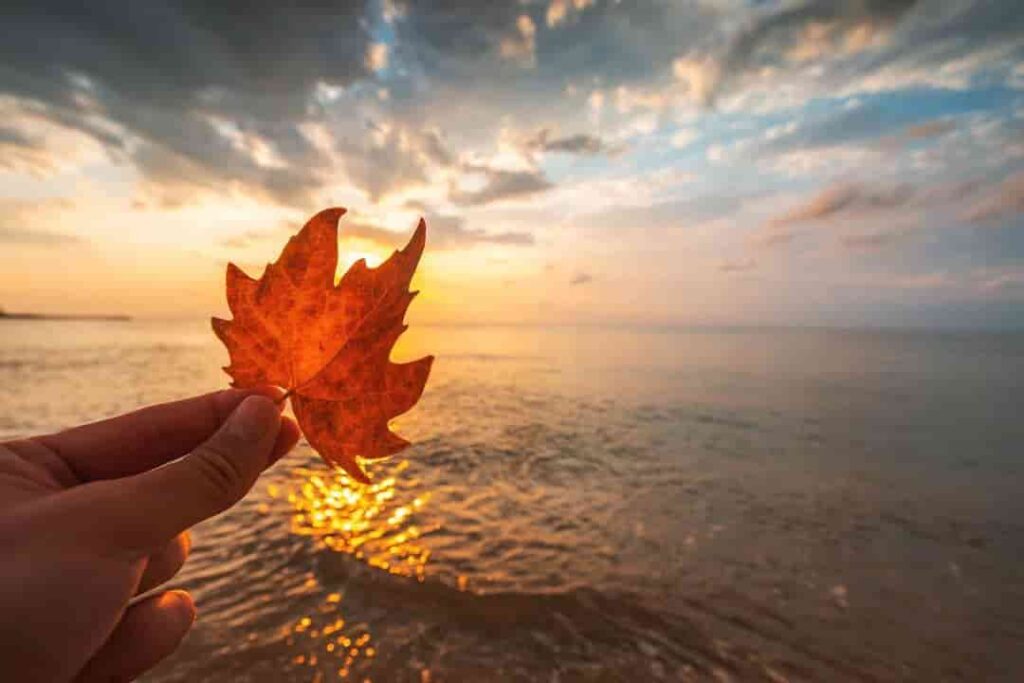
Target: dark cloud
[
  {"x": 500, "y": 184},
  {"x": 771, "y": 35},
  {"x": 581, "y": 279},
  {"x": 854, "y": 39},
  {"x": 15, "y": 138},
  {"x": 580, "y": 143},
  {"x": 157, "y": 72},
  {"x": 186, "y": 52},
  {"x": 175, "y": 176},
  {"x": 463, "y": 40},
  {"x": 21, "y": 152}
]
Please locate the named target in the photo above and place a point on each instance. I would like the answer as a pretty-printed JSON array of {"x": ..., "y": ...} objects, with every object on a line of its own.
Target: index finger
[{"x": 143, "y": 439}]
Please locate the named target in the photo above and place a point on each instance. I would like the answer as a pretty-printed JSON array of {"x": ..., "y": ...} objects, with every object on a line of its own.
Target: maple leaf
[{"x": 328, "y": 344}]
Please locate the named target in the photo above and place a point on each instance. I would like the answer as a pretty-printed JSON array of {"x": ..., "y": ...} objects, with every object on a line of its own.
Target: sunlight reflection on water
[{"x": 375, "y": 524}]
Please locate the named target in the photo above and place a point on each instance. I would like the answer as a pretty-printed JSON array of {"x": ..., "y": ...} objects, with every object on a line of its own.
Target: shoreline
[{"x": 57, "y": 316}]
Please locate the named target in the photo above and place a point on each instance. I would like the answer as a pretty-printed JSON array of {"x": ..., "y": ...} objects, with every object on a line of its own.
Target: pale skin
[{"x": 94, "y": 517}]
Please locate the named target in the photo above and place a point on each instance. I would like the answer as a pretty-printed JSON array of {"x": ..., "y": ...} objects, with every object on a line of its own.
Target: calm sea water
[{"x": 605, "y": 504}]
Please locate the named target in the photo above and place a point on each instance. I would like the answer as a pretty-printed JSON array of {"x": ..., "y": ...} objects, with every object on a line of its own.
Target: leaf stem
[{"x": 285, "y": 397}]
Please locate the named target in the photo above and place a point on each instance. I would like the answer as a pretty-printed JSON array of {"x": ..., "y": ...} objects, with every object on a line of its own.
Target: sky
[{"x": 684, "y": 162}]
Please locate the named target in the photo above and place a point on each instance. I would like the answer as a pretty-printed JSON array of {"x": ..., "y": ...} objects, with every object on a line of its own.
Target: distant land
[{"x": 4, "y": 315}]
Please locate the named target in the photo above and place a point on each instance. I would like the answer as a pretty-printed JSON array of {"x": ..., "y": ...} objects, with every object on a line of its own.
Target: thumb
[{"x": 149, "y": 509}]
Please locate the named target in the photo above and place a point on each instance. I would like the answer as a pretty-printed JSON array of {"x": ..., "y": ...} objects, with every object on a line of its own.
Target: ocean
[{"x": 608, "y": 504}]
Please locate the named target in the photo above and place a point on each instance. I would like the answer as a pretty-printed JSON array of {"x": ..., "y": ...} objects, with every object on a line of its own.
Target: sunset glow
[{"x": 765, "y": 164}]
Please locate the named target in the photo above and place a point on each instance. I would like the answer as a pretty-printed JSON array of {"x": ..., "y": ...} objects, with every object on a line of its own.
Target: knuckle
[{"x": 221, "y": 477}]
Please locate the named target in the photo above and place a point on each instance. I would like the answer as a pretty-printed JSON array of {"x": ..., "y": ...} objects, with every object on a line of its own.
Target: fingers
[
  {"x": 144, "y": 439},
  {"x": 287, "y": 437},
  {"x": 149, "y": 631},
  {"x": 165, "y": 563},
  {"x": 138, "y": 515}
]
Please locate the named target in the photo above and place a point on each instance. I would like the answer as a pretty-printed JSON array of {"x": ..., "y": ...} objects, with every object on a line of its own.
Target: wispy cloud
[
  {"x": 845, "y": 199},
  {"x": 581, "y": 279},
  {"x": 14, "y": 235},
  {"x": 737, "y": 266},
  {"x": 500, "y": 184},
  {"x": 20, "y": 224},
  {"x": 930, "y": 129},
  {"x": 1004, "y": 200}
]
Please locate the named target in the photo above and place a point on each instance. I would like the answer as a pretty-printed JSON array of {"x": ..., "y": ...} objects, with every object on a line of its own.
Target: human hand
[{"x": 94, "y": 516}]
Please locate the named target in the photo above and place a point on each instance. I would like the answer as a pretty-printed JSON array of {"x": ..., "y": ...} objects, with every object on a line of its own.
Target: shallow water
[{"x": 605, "y": 504}]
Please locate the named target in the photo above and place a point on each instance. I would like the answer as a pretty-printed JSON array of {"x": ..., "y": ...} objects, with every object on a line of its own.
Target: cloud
[
  {"x": 15, "y": 138},
  {"x": 1005, "y": 200},
  {"x": 490, "y": 50},
  {"x": 560, "y": 11},
  {"x": 999, "y": 282},
  {"x": 18, "y": 219},
  {"x": 672, "y": 214},
  {"x": 500, "y": 184},
  {"x": 390, "y": 158},
  {"x": 855, "y": 124},
  {"x": 930, "y": 129},
  {"x": 443, "y": 232},
  {"x": 797, "y": 33},
  {"x": 148, "y": 79},
  {"x": 376, "y": 56},
  {"x": 393, "y": 159},
  {"x": 775, "y": 238},
  {"x": 22, "y": 152},
  {"x": 868, "y": 241},
  {"x": 682, "y": 138},
  {"x": 450, "y": 232},
  {"x": 793, "y": 52},
  {"x": 581, "y": 143},
  {"x": 581, "y": 279},
  {"x": 845, "y": 199},
  {"x": 846, "y": 202},
  {"x": 520, "y": 46},
  {"x": 974, "y": 200},
  {"x": 15, "y": 235},
  {"x": 699, "y": 76},
  {"x": 741, "y": 266}
]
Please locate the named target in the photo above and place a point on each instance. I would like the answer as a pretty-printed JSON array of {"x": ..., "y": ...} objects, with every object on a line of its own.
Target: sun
[{"x": 346, "y": 257}]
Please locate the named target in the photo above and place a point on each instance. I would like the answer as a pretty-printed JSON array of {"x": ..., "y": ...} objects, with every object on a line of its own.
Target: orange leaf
[{"x": 327, "y": 344}]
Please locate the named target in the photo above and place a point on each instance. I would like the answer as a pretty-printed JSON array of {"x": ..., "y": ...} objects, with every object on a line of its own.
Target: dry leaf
[{"x": 327, "y": 344}]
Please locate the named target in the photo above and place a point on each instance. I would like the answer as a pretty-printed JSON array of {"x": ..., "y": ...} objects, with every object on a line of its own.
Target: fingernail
[
  {"x": 254, "y": 418},
  {"x": 275, "y": 394},
  {"x": 181, "y": 602}
]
